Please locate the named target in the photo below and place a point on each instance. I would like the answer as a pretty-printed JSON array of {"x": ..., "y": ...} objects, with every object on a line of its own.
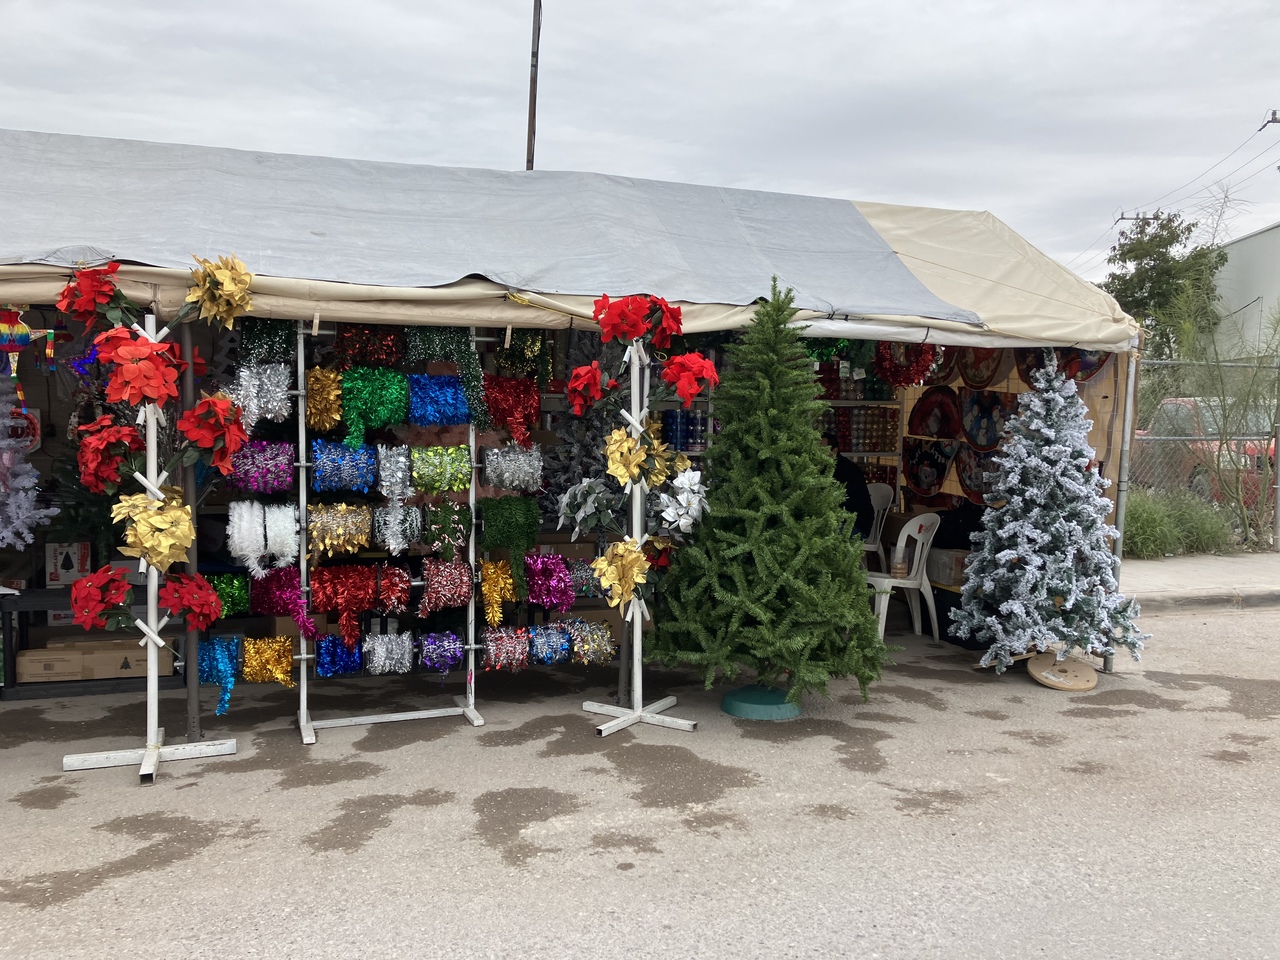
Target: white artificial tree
[
  {"x": 20, "y": 510},
  {"x": 1042, "y": 572}
]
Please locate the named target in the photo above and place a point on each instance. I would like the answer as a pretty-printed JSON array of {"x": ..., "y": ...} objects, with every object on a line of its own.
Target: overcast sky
[{"x": 1054, "y": 115}]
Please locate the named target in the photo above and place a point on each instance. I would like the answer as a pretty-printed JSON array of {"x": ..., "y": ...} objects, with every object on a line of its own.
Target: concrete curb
[{"x": 1194, "y": 601}]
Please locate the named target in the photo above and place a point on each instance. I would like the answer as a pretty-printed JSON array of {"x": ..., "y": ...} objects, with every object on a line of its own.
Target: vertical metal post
[
  {"x": 639, "y": 394},
  {"x": 471, "y": 561},
  {"x": 1275, "y": 489},
  {"x": 304, "y": 710},
  {"x": 191, "y": 650},
  {"x": 1126, "y": 444},
  {"x": 533, "y": 82},
  {"x": 153, "y": 576}
]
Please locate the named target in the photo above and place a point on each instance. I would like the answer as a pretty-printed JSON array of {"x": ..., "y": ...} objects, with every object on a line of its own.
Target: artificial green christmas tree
[{"x": 770, "y": 581}]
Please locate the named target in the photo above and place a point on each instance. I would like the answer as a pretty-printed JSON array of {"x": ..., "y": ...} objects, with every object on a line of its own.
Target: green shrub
[
  {"x": 1158, "y": 523},
  {"x": 1202, "y": 527},
  {"x": 1149, "y": 533}
]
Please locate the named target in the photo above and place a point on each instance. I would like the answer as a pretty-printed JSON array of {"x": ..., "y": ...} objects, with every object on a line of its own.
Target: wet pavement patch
[
  {"x": 1096, "y": 713},
  {"x": 381, "y": 737},
  {"x": 280, "y": 751},
  {"x": 617, "y": 840},
  {"x": 1090, "y": 768},
  {"x": 906, "y": 695},
  {"x": 1252, "y": 699},
  {"x": 362, "y": 817},
  {"x": 988, "y": 714},
  {"x": 502, "y": 815},
  {"x": 1036, "y": 739},
  {"x": 1142, "y": 699},
  {"x": 1247, "y": 739},
  {"x": 965, "y": 677},
  {"x": 872, "y": 717},
  {"x": 1231, "y": 756},
  {"x": 857, "y": 746},
  {"x": 671, "y": 776},
  {"x": 929, "y": 802},
  {"x": 712, "y": 820},
  {"x": 49, "y": 797},
  {"x": 830, "y": 811},
  {"x": 567, "y": 735}
]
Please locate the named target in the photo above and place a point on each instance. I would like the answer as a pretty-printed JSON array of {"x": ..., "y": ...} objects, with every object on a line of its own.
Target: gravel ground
[{"x": 954, "y": 814}]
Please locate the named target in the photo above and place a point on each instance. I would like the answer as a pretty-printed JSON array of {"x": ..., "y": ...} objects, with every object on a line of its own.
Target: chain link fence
[{"x": 1208, "y": 430}]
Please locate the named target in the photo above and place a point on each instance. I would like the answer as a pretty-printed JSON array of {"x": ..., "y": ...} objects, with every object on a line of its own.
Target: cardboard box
[
  {"x": 946, "y": 567},
  {"x": 46, "y": 666},
  {"x": 104, "y": 659},
  {"x": 285, "y": 627},
  {"x": 65, "y": 563}
]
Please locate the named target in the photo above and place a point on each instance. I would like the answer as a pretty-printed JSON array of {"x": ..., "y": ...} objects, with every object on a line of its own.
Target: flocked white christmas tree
[
  {"x": 19, "y": 511},
  {"x": 1042, "y": 572}
]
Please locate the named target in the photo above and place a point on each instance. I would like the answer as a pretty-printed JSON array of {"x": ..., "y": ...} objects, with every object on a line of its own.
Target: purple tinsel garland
[
  {"x": 550, "y": 585},
  {"x": 440, "y": 651},
  {"x": 263, "y": 466}
]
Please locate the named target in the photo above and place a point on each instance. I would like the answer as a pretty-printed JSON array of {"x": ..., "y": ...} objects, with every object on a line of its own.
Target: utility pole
[{"x": 533, "y": 82}]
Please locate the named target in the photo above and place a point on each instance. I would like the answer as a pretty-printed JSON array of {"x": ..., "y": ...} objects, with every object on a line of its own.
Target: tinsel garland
[
  {"x": 506, "y": 648},
  {"x": 388, "y": 653},
  {"x": 218, "y": 661},
  {"x": 263, "y": 466},
  {"x": 550, "y": 585},
  {"x": 514, "y": 405},
  {"x": 334, "y": 528},
  {"x": 372, "y": 397},
  {"x": 904, "y": 364},
  {"x": 447, "y": 528},
  {"x": 324, "y": 399},
  {"x": 496, "y": 586},
  {"x": 440, "y": 469},
  {"x": 396, "y": 527},
  {"x": 513, "y": 467},
  {"x": 233, "y": 591},
  {"x": 529, "y": 355},
  {"x": 279, "y": 594},
  {"x": 394, "y": 478},
  {"x": 394, "y": 584},
  {"x": 263, "y": 340},
  {"x": 440, "y": 651},
  {"x": 583, "y": 577},
  {"x": 371, "y": 345},
  {"x": 268, "y": 660},
  {"x": 452, "y": 345},
  {"x": 447, "y": 584},
  {"x": 335, "y": 466},
  {"x": 334, "y": 658},
  {"x": 256, "y": 533},
  {"x": 437, "y": 400},
  {"x": 592, "y": 641},
  {"x": 549, "y": 644},
  {"x": 511, "y": 523},
  {"x": 262, "y": 391},
  {"x": 347, "y": 591}
]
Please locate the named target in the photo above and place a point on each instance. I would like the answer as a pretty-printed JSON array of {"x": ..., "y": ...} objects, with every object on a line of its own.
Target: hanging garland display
[
  {"x": 264, "y": 340},
  {"x": 447, "y": 528},
  {"x": 334, "y": 658},
  {"x": 233, "y": 592},
  {"x": 279, "y": 594},
  {"x": 583, "y": 577},
  {"x": 904, "y": 364},
  {"x": 437, "y": 400},
  {"x": 592, "y": 641},
  {"x": 218, "y": 661},
  {"x": 334, "y": 528},
  {"x": 497, "y": 587},
  {"x": 372, "y": 397},
  {"x": 324, "y": 399},
  {"x": 452, "y": 345},
  {"x": 506, "y": 648},
  {"x": 263, "y": 393},
  {"x": 396, "y": 527},
  {"x": 446, "y": 584},
  {"x": 440, "y": 651},
  {"x": 393, "y": 588},
  {"x": 347, "y": 591},
  {"x": 511, "y": 523},
  {"x": 257, "y": 533},
  {"x": 513, "y": 467},
  {"x": 268, "y": 660},
  {"x": 335, "y": 466},
  {"x": 371, "y": 345},
  {"x": 549, "y": 644},
  {"x": 550, "y": 585},
  {"x": 394, "y": 478},
  {"x": 528, "y": 355},
  {"x": 263, "y": 466},
  {"x": 438, "y": 470},
  {"x": 388, "y": 653},
  {"x": 514, "y": 405}
]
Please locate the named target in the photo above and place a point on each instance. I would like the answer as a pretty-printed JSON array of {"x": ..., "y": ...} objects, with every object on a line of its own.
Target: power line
[
  {"x": 1265, "y": 150},
  {"x": 1267, "y": 122}
]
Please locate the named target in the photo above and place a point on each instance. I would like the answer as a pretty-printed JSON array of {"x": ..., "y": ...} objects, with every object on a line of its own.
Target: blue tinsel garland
[
  {"x": 437, "y": 400},
  {"x": 333, "y": 657},
  {"x": 338, "y": 467},
  {"x": 219, "y": 662}
]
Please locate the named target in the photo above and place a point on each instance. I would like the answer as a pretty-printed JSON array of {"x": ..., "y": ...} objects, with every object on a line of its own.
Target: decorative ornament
[
  {"x": 369, "y": 345},
  {"x": 335, "y": 466},
  {"x": 279, "y": 594},
  {"x": 514, "y": 467},
  {"x": 334, "y": 528},
  {"x": 191, "y": 594},
  {"x": 437, "y": 400},
  {"x": 587, "y": 384},
  {"x": 626, "y": 319},
  {"x": 347, "y": 591},
  {"x": 622, "y": 568},
  {"x": 687, "y": 373},
  {"x": 91, "y": 597},
  {"x": 447, "y": 584},
  {"x": 218, "y": 661},
  {"x": 214, "y": 424},
  {"x": 625, "y": 457},
  {"x": 102, "y": 449},
  {"x": 233, "y": 592},
  {"x": 263, "y": 393},
  {"x": 550, "y": 585},
  {"x": 324, "y": 399},
  {"x": 440, "y": 469},
  {"x": 440, "y": 651},
  {"x": 396, "y": 527},
  {"x": 255, "y": 533},
  {"x": 592, "y": 641},
  {"x": 549, "y": 644},
  {"x": 388, "y": 653},
  {"x": 268, "y": 660},
  {"x": 514, "y": 405},
  {"x": 90, "y": 291},
  {"x": 372, "y": 397},
  {"x": 264, "y": 340},
  {"x": 452, "y": 345},
  {"x": 666, "y": 320},
  {"x": 506, "y": 648},
  {"x": 447, "y": 528},
  {"x": 591, "y": 505},
  {"x": 334, "y": 658},
  {"x": 158, "y": 531},
  {"x": 584, "y": 580},
  {"x": 394, "y": 478},
  {"x": 220, "y": 289},
  {"x": 684, "y": 506},
  {"x": 904, "y": 364},
  {"x": 144, "y": 370},
  {"x": 263, "y": 466},
  {"x": 497, "y": 587}
]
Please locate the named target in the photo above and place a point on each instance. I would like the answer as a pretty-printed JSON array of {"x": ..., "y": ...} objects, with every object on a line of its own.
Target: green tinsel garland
[
  {"x": 372, "y": 397},
  {"x": 263, "y": 340},
  {"x": 233, "y": 590},
  {"x": 528, "y": 356},
  {"x": 437, "y": 469},
  {"x": 452, "y": 345},
  {"x": 511, "y": 523}
]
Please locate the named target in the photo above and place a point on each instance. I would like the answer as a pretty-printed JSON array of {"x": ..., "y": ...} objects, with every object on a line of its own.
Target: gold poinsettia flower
[
  {"x": 158, "y": 531},
  {"x": 221, "y": 289},
  {"x": 620, "y": 570},
  {"x": 625, "y": 456}
]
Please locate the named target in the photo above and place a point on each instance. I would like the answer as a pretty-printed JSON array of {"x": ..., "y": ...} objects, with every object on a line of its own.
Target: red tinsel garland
[
  {"x": 348, "y": 591},
  {"x": 513, "y": 403},
  {"x": 908, "y": 370},
  {"x": 374, "y": 345}
]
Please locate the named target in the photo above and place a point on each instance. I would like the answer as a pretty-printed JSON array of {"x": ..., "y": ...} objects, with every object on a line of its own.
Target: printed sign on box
[{"x": 65, "y": 563}]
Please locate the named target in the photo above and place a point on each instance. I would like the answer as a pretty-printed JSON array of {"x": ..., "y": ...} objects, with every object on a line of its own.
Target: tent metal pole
[
  {"x": 468, "y": 701},
  {"x": 1122, "y": 479},
  {"x": 191, "y": 650},
  {"x": 305, "y": 726}
]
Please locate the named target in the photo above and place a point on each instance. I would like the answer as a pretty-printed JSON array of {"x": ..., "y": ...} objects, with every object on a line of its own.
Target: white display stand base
[
  {"x": 309, "y": 726},
  {"x": 630, "y": 715},
  {"x": 148, "y": 758}
]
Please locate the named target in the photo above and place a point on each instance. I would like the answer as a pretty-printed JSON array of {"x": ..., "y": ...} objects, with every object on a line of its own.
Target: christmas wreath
[{"x": 904, "y": 364}]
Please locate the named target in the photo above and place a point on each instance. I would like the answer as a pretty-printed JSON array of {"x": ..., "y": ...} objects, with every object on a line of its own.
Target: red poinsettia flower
[
  {"x": 175, "y": 357},
  {"x": 586, "y": 387},
  {"x": 88, "y": 290},
  {"x": 686, "y": 373},
  {"x": 94, "y": 595},
  {"x": 668, "y": 322},
  {"x": 625, "y": 319},
  {"x": 144, "y": 370},
  {"x": 102, "y": 450},
  {"x": 191, "y": 594},
  {"x": 214, "y": 424}
]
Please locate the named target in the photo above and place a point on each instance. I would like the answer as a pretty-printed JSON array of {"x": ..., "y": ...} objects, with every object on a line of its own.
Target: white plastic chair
[
  {"x": 881, "y": 501},
  {"x": 915, "y": 584}
]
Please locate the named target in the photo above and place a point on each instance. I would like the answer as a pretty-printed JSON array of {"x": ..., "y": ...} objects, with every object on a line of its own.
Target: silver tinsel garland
[{"x": 388, "y": 652}]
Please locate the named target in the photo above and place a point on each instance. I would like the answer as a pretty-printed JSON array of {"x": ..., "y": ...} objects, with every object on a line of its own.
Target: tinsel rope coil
[
  {"x": 233, "y": 591},
  {"x": 268, "y": 660},
  {"x": 335, "y": 466},
  {"x": 263, "y": 340},
  {"x": 388, "y": 653},
  {"x": 334, "y": 528},
  {"x": 256, "y": 533},
  {"x": 437, "y": 400},
  {"x": 592, "y": 641},
  {"x": 369, "y": 345},
  {"x": 279, "y": 594},
  {"x": 262, "y": 391},
  {"x": 440, "y": 651},
  {"x": 263, "y": 466},
  {"x": 396, "y": 527},
  {"x": 447, "y": 528},
  {"x": 324, "y": 399},
  {"x": 549, "y": 644},
  {"x": 334, "y": 658},
  {"x": 514, "y": 467},
  {"x": 583, "y": 577},
  {"x": 514, "y": 405},
  {"x": 506, "y": 648},
  {"x": 348, "y": 591},
  {"x": 447, "y": 584},
  {"x": 441, "y": 469},
  {"x": 394, "y": 584},
  {"x": 496, "y": 587},
  {"x": 372, "y": 397},
  {"x": 394, "y": 478},
  {"x": 218, "y": 661},
  {"x": 550, "y": 585},
  {"x": 452, "y": 345}
]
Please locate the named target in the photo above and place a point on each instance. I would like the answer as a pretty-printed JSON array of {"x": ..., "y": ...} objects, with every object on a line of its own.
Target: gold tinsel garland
[
  {"x": 268, "y": 660},
  {"x": 496, "y": 585},
  {"x": 158, "y": 531},
  {"x": 335, "y": 528},
  {"x": 324, "y": 399}
]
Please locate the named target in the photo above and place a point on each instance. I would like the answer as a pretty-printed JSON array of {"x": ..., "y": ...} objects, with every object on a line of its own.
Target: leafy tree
[{"x": 770, "y": 581}]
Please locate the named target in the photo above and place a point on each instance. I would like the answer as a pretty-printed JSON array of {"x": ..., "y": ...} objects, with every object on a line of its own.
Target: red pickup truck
[{"x": 1196, "y": 444}]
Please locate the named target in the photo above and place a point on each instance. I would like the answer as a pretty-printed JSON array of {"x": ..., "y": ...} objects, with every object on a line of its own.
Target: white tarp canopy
[{"x": 400, "y": 243}]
